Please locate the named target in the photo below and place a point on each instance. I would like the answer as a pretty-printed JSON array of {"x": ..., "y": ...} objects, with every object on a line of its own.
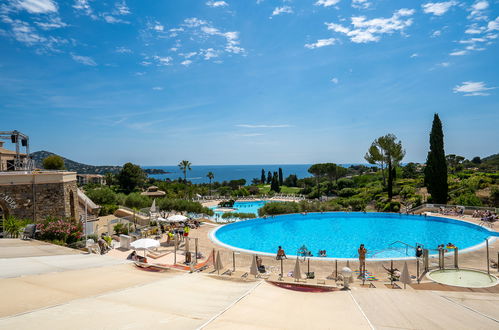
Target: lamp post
[{"x": 347, "y": 274}]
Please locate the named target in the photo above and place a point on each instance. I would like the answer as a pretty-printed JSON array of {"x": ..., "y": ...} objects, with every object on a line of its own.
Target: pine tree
[
  {"x": 436, "y": 165},
  {"x": 262, "y": 178},
  {"x": 269, "y": 178},
  {"x": 280, "y": 177}
]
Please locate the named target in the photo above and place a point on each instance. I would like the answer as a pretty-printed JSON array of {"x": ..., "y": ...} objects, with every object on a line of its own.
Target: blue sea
[{"x": 231, "y": 172}]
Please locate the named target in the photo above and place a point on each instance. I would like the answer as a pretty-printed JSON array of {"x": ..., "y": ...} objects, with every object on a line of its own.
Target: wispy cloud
[
  {"x": 321, "y": 43},
  {"x": 477, "y": 10},
  {"x": 217, "y": 4},
  {"x": 157, "y": 88},
  {"x": 458, "y": 53},
  {"x": 473, "y": 88},
  {"x": 326, "y": 3},
  {"x": 37, "y": 6},
  {"x": 335, "y": 81},
  {"x": 361, "y": 4},
  {"x": 123, "y": 50},
  {"x": 414, "y": 55},
  {"x": 438, "y": 8},
  {"x": 263, "y": 126},
  {"x": 364, "y": 30},
  {"x": 85, "y": 60},
  {"x": 282, "y": 10}
]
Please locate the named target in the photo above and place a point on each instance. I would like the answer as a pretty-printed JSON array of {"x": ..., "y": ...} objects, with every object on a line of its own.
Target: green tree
[
  {"x": 131, "y": 177},
  {"x": 111, "y": 179},
  {"x": 185, "y": 166},
  {"x": 262, "y": 177},
  {"x": 53, "y": 162},
  {"x": 274, "y": 185},
  {"x": 210, "y": 176},
  {"x": 318, "y": 171},
  {"x": 454, "y": 163},
  {"x": 436, "y": 166},
  {"x": 281, "y": 179},
  {"x": 291, "y": 181},
  {"x": 409, "y": 171},
  {"x": 269, "y": 177},
  {"x": 386, "y": 150},
  {"x": 476, "y": 160}
]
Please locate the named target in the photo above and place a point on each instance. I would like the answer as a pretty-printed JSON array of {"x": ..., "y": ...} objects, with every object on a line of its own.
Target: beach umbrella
[
  {"x": 153, "y": 207},
  {"x": 218, "y": 263},
  {"x": 253, "y": 268},
  {"x": 177, "y": 218},
  {"x": 144, "y": 244},
  {"x": 405, "y": 277},
  {"x": 297, "y": 271}
]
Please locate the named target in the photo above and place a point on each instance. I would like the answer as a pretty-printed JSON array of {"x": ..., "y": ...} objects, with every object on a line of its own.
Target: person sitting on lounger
[
  {"x": 281, "y": 254},
  {"x": 451, "y": 246},
  {"x": 133, "y": 256}
]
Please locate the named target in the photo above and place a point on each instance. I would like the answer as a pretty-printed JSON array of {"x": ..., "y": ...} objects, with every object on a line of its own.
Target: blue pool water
[
  {"x": 341, "y": 233},
  {"x": 244, "y": 207}
]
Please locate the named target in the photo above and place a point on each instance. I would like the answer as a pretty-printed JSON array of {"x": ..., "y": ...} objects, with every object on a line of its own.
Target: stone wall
[{"x": 39, "y": 201}]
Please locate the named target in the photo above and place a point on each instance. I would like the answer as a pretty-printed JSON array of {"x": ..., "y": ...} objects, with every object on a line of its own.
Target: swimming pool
[
  {"x": 341, "y": 233},
  {"x": 244, "y": 207}
]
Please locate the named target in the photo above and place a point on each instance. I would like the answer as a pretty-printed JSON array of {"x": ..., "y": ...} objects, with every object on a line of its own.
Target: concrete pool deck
[{"x": 102, "y": 295}]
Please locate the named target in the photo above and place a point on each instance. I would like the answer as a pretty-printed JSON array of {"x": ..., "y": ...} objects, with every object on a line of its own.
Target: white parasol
[
  {"x": 297, "y": 271},
  {"x": 177, "y": 218}
]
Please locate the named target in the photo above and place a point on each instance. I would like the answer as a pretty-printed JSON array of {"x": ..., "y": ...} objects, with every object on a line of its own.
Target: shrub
[
  {"x": 108, "y": 209},
  {"x": 65, "y": 230},
  {"x": 108, "y": 240},
  {"x": 180, "y": 205},
  {"x": 121, "y": 228},
  {"x": 13, "y": 226},
  {"x": 345, "y": 183},
  {"x": 467, "y": 199},
  {"x": 238, "y": 215},
  {"x": 347, "y": 192},
  {"x": 391, "y": 207},
  {"x": 53, "y": 162},
  {"x": 279, "y": 208}
]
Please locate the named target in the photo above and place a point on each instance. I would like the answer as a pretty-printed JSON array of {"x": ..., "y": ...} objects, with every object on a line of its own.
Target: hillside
[{"x": 71, "y": 165}]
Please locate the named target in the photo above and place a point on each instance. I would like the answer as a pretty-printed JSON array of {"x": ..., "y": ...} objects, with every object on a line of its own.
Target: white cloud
[
  {"x": 474, "y": 29},
  {"x": 436, "y": 33},
  {"x": 24, "y": 33},
  {"x": 193, "y": 22},
  {"x": 444, "y": 64},
  {"x": 157, "y": 88},
  {"x": 113, "y": 20},
  {"x": 361, "y": 4},
  {"x": 472, "y": 88},
  {"x": 326, "y": 3},
  {"x": 84, "y": 6},
  {"x": 282, "y": 10},
  {"x": 122, "y": 8},
  {"x": 414, "y": 55},
  {"x": 493, "y": 25},
  {"x": 163, "y": 60},
  {"x": 263, "y": 126},
  {"x": 123, "y": 50},
  {"x": 321, "y": 43},
  {"x": 84, "y": 60},
  {"x": 51, "y": 23},
  {"x": 37, "y": 6},
  {"x": 458, "y": 53},
  {"x": 186, "y": 62},
  {"x": 364, "y": 30},
  {"x": 217, "y": 3},
  {"x": 335, "y": 81},
  {"x": 438, "y": 8},
  {"x": 477, "y": 10},
  {"x": 209, "y": 53}
]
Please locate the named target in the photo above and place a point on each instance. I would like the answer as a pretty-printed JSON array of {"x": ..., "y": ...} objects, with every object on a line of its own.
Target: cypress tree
[
  {"x": 269, "y": 178},
  {"x": 436, "y": 165},
  {"x": 280, "y": 177},
  {"x": 262, "y": 178},
  {"x": 275, "y": 183}
]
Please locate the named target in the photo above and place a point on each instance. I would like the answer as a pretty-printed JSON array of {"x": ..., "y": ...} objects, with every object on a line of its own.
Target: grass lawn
[{"x": 264, "y": 189}]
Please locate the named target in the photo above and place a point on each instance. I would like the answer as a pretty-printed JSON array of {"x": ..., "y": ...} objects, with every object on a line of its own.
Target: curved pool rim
[
  {"x": 215, "y": 240},
  {"x": 464, "y": 270}
]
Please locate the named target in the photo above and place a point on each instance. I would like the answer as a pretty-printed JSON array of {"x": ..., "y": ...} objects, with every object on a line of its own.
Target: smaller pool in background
[
  {"x": 466, "y": 278},
  {"x": 243, "y": 207}
]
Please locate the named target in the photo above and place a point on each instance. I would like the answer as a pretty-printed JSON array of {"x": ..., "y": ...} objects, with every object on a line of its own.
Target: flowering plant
[{"x": 64, "y": 230}]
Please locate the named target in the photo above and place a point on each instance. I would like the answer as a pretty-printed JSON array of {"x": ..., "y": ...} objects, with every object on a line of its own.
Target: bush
[
  {"x": 345, "y": 183},
  {"x": 238, "y": 215},
  {"x": 391, "y": 207},
  {"x": 180, "y": 205},
  {"x": 53, "y": 162},
  {"x": 13, "y": 226},
  {"x": 467, "y": 199},
  {"x": 274, "y": 208},
  {"x": 107, "y": 209},
  {"x": 65, "y": 230},
  {"x": 121, "y": 228},
  {"x": 347, "y": 192}
]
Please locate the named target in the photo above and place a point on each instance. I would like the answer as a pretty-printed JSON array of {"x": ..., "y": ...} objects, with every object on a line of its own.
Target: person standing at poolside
[
  {"x": 362, "y": 259},
  {"x": 281, "y": 254}
]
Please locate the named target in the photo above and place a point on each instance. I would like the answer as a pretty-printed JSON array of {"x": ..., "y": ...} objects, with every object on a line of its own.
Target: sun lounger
[
  {"x": 157, "y": 254},
  {"x": 227, "y": 272},
  {"x": 395, "y": 286},
  {"x": 493, "y": 263}
]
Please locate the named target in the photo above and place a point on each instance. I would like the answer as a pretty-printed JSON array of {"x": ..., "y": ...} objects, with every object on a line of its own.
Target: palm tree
[
  {"x": 185, "y": 166},
  {"x": 210, "y": 176}
]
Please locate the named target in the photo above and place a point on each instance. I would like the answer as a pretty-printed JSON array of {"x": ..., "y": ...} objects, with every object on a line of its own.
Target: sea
[{"x": 198, "y": 173}]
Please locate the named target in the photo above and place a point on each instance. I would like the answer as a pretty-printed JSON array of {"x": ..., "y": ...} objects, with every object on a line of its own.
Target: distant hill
[
  {"x": 71, "y": 165},
  {"x": 492, "y": 160}
]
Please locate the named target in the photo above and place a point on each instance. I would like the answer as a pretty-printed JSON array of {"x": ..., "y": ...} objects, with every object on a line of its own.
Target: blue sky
[{"x": 248, "y": 82}]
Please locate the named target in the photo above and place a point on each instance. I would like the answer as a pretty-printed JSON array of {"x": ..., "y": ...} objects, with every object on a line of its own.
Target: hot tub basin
[{"x": 466, "y": 278}]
